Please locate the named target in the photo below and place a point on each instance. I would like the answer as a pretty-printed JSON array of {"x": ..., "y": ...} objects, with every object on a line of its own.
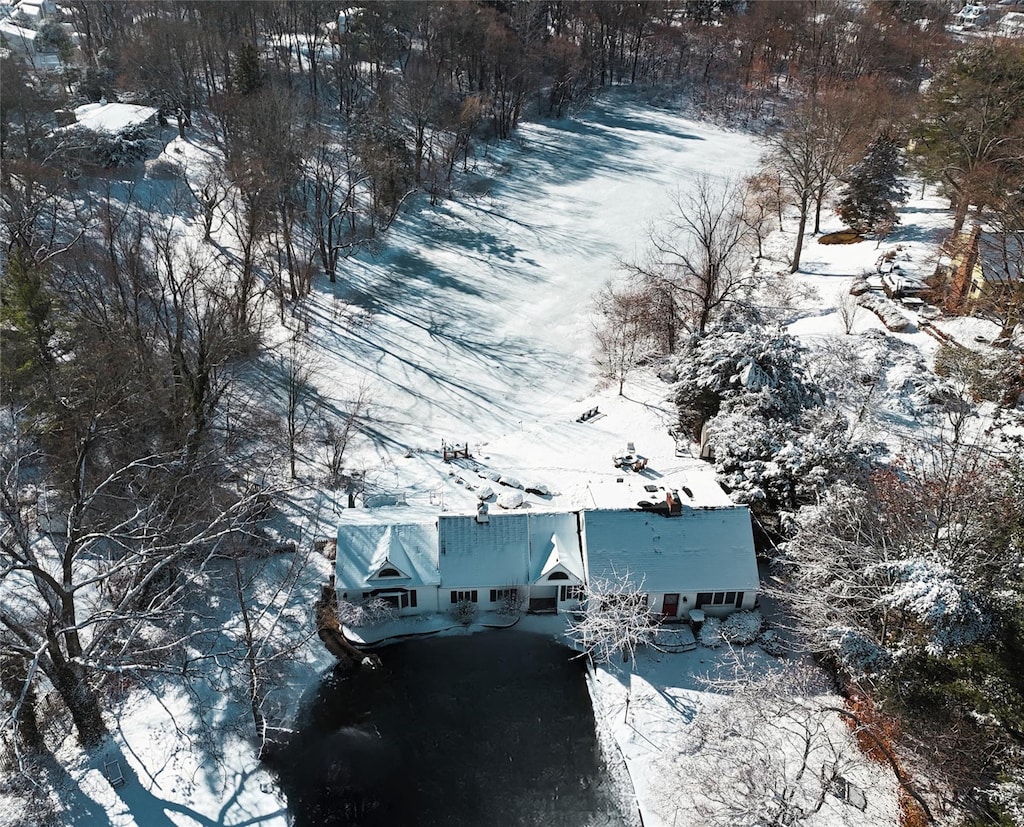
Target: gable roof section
[
  {"x": 554, "y": 545},
  {"x": 700, "y": 550},
  {"x": 364, "y": 549}
]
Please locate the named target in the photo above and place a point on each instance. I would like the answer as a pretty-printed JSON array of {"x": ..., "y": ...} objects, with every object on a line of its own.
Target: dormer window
[{"x": 389, "y": 573}]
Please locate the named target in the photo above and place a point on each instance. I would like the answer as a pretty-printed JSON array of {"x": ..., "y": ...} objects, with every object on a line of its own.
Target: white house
[
  {"x": 697, "y": 558},
  {"x": 489, "y": 559},
  {"x": 684, "y": 557},
  {"x": 973, "y": 17},
  {"x": 1011, "y": 25}
]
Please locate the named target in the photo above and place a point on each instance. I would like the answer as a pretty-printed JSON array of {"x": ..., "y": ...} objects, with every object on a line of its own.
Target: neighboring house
[
  {"x": 38, "y": 11},
  {"x": 700, "y": 558},
  {"x": 114, "y": 118},
  {"x": 686, "y": 558},
  {"x": 973, "y": 17},
  {"x": 1011, "y": 25},
  {"x": 983, "y": 264}
]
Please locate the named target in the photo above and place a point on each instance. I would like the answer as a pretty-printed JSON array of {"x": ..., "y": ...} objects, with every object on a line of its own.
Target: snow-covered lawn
[{"x": 472, "y": 324}]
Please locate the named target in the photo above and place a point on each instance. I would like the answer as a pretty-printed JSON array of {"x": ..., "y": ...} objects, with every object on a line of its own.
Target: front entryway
[{"x": 670, "y": 605}]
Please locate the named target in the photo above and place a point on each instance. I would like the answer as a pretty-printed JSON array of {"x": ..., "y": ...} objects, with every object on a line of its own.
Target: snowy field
[{"x": 472, "y": 324}]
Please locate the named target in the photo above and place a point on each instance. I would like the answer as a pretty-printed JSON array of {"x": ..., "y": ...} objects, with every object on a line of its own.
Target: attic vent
[{"x": 389, "y": 573}]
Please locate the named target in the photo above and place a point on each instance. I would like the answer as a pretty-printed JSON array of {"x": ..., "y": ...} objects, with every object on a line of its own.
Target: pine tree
[
  {"x": 873, "y": 187},
  {"x": 247, "y": 76}
]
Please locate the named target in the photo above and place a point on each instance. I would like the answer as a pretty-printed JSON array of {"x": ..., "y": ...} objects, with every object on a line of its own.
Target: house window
[
  {"x": 389, "y": 573},
  {"x": 570, "y": 593},
  {"x": 459, "y": 596},
  {"x": 558, "y": 575},
  {"x": 720, "y": 599},
  {"x": 502, "y": 595}
]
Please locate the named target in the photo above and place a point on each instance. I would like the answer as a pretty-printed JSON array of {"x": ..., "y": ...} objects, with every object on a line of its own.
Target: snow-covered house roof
[
  {"x": 1011, "y": 24},
  {"x": 973, "y": 15},
  {"x": 702, "y": 549},
  {"x": 507, "y": 549},
  {"x": 18, "y": 37},
  {"x": 373, "y": 555},
  {"x": 113, "y": 117},
  {"x": 555, "y": 547}
]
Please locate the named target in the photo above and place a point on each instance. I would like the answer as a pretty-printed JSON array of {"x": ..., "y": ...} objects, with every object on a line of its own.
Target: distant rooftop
[{"x": 112, "y": 117}]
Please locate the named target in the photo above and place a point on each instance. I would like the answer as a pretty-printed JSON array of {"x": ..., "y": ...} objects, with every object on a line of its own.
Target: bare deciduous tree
[
  {"x": 700, "y": 254},
  {"x": 622, "y": 330},
  {"x": 337, "y": 432},
  {"x": 300, "y": 401},
  {"x": 847, "y": 308},
  {"x": 771, "y": 750},
  {"x": 93, "y": 589},
  {"x": 616, "y": 618}
]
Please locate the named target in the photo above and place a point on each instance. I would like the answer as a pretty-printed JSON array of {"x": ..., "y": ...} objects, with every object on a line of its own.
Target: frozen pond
[{"x": 493, "y": 728}]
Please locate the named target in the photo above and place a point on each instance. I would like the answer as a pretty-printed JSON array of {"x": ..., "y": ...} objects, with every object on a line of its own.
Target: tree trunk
[
  {"x": 13, "y": 675},
  {"x": 798, "y": 249},
  {"x": 70, "y": 682}
]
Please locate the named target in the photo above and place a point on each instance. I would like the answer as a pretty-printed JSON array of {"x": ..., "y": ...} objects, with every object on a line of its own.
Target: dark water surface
[{"x": 488, "y": 729}]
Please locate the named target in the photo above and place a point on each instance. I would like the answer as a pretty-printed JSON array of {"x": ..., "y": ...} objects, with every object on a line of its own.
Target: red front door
[{"x": 670, "y": 605}]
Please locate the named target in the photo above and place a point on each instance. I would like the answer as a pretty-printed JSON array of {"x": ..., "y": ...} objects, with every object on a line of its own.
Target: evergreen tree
[
  {"x": 26, "y": 322},
  {"x": 247, "y": 76},
  {"x": 873, "y": 187}
]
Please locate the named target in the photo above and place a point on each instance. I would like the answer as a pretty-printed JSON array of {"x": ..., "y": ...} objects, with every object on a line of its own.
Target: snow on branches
[
  {"x": 616, "y": 618},
  {"x": 774, "y": 441}
]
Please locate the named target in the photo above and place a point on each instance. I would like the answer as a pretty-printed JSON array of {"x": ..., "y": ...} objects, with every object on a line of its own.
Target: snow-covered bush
[
  {"x": 711, "y": 633},
  {"x": 741, "y": 628},
  {"x": 886, "y": 310},
  {"x": 539, "y": 488},
  {"x": 511, "y": 482},
  {"x": 484, "y": 492},
  {"x": 54, "y": 39},
  {"x": 463, "y": 612},
  {"x": 368, "y": 612}
]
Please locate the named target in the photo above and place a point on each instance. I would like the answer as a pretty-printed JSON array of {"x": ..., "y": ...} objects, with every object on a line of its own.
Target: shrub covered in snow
[
  {"x": 742, "y": 628},
  {"x": 484, "y": 492},
  {"x": 855, "y": 651},
  {"x": 539, "y": 488},
  {"x": 511, "y": 482},
  {"x": 931, "y": 594},
  {"x": 711, "y": 633},
  {"x": 886, "y": 310},
  {"x": 463, "y": 612},
  {"x": 365, "y": 613}
]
